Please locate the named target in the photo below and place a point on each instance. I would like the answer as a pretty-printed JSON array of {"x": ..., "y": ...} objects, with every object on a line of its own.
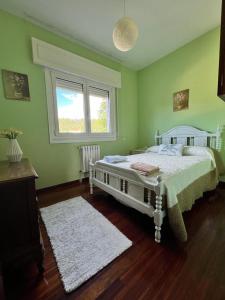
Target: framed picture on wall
[
  {"x": 180, "y": 100},
  {"x": 16, "y": 86}
]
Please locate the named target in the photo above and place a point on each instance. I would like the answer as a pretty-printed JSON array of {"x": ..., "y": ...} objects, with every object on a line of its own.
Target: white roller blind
[
  {"x": 98, "y": 92},
  {"x": 69, "y": 84}
]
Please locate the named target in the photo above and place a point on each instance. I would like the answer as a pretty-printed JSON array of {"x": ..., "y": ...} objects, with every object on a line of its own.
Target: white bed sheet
[{"x": 177, "y": 172}]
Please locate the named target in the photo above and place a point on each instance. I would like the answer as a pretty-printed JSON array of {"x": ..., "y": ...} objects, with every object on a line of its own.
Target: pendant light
[{"x": 125, "y": 33}]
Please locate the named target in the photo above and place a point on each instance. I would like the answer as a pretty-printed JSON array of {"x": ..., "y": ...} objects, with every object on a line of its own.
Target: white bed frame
[{"x": 127, "y": 186}]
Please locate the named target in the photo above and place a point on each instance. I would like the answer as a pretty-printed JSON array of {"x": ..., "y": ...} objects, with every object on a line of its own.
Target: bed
[{"x": 171, "y": 190}]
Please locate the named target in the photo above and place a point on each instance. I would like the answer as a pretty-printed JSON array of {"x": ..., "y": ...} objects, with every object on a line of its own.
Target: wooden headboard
[{"x": 190, "y": 136}]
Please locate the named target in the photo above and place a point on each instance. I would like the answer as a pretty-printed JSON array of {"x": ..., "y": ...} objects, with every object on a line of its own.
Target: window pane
[
  {"x": 70, "y": 107},
  {"x": 99, "y": 113}
]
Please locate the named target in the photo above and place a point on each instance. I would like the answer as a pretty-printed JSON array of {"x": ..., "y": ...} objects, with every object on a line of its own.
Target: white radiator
[{"x": 87, "y": 154}]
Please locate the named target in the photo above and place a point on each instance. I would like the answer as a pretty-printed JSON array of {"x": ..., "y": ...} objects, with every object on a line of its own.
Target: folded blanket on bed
[
  {"x": 115, "y": 158},
  {"x": 144, "y": 169}
]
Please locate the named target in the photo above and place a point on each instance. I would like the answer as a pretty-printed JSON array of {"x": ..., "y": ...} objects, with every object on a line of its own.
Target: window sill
[{"x": 72, "y": 140}]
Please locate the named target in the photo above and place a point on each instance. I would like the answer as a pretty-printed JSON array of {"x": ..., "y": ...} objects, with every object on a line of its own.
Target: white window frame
[{"x": 54, "y": 134}]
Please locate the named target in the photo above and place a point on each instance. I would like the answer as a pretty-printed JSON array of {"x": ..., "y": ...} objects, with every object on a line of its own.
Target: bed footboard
[{"x": 128, "y": 187}]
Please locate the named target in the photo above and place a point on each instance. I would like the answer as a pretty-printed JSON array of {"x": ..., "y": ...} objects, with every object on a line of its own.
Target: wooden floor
[{"x": 193, "y": 270}]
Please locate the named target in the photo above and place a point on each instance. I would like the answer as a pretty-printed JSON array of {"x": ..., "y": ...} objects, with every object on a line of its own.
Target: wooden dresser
[{"x": 19, "y": 226}]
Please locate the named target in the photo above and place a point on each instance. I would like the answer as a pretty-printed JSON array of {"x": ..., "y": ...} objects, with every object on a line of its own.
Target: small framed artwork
[
  {"x": 16, "y": 85},
  {"x": 180, "y": 100}
]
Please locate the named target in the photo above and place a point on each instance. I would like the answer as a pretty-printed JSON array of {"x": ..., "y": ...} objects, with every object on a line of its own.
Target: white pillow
[
  {"x": 154, "y": 149},
  {"x": 195, "y": 150},
  {"x": 171, "y": 149}
]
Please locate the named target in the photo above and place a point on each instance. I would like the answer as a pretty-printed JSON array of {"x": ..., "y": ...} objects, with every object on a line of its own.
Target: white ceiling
[{"x": 164, "y": 25}]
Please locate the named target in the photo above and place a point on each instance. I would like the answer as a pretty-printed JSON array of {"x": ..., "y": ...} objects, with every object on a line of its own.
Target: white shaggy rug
[{"x": 83, "y": 240}]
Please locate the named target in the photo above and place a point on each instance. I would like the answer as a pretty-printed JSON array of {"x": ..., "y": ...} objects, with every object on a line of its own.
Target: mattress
[
  {"x": 184, "y": 169},
  {"x": 184, "y": 179}
]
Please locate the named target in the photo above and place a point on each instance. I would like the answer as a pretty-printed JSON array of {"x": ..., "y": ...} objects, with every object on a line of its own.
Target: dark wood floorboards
[{"x": 171, "y": 270}]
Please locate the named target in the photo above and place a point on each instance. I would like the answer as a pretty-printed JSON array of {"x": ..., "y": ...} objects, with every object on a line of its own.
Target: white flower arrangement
[{"x": 10, "y": 133}]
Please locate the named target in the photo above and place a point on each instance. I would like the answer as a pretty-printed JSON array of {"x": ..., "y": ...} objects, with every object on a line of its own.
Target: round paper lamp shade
[{"x": 125, "y": 34}]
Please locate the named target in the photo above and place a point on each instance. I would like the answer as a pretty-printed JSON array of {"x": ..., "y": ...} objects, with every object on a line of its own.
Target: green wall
[
  {"x": 194, "y": 67},
  {"x": 144, "y": 101},
  {"x": 55, "y": 163}
]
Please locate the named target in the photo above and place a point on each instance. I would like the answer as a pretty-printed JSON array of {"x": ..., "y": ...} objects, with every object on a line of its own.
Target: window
[{"x": 79, "y": 109}]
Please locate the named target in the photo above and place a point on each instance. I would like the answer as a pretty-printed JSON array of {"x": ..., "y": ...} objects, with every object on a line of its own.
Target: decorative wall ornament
[
  {"x": 181, "y": 100},
  {"x": 16, "y": 85}
]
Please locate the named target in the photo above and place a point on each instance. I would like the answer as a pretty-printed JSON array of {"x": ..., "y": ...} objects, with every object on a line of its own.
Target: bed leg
[
  {"x": 91, "y": 177},
  {"x": 158, "y": 218}
]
